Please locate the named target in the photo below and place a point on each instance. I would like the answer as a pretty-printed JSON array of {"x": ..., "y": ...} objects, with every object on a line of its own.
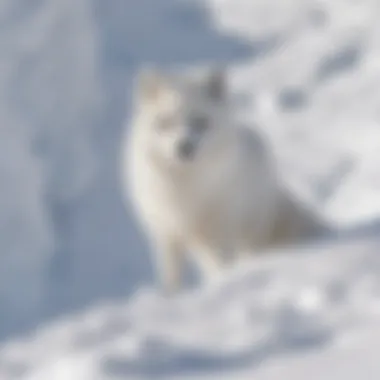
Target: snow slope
[
  {"x": 316, "y": 95},
  {"x": 306, "y": 312}
]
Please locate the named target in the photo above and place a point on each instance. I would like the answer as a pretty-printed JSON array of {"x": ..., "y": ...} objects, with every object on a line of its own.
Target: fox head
[{"x": 181, "y": 116}]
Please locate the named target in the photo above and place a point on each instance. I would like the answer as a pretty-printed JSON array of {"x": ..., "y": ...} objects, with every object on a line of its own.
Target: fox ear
[
  {"x": 150, "y": 83},
  {"x": 216, "y": 83}
]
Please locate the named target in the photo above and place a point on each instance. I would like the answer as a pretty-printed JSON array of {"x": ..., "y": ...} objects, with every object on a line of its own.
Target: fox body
[{"x": 201, "y": 185}]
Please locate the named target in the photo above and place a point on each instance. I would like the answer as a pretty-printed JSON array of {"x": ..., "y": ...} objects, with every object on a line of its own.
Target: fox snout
[{"x": 186, "y": 150}]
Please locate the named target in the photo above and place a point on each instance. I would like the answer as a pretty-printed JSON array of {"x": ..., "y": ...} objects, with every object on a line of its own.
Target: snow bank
[
  {"x": 315, "y": 93},
  {"x": 314, "y": 303},
  {"x": 48, "y": 95}
]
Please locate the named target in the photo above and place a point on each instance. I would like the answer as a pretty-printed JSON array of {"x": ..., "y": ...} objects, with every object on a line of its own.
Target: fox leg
[
  {"x": 169, "y": 262},
  {"x": 212, "y": 261}
]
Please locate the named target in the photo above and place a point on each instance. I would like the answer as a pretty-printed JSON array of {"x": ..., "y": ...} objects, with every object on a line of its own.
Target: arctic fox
[{"x": 201, "y": 185}]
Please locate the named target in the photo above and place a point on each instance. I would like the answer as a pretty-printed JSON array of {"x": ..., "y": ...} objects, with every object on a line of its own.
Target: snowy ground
[
  {"x": 306, "y": 72},
  {"x": 310, "y": 313}
]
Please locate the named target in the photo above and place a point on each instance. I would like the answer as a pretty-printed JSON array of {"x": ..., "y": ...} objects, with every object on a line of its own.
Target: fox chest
[{"x": 179, "y": 207}]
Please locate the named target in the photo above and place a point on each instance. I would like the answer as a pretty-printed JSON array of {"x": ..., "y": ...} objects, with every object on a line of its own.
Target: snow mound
[{"x": 292, "y": 302}]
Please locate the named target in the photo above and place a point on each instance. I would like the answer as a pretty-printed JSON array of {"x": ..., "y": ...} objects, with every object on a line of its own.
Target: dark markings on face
[{"x": 199, "y": 123}]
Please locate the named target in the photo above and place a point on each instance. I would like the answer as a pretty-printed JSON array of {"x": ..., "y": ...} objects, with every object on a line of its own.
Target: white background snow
[{"x": 76, "y": 295}]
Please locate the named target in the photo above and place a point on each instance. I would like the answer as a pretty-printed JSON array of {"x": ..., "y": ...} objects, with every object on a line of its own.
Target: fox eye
[{"x": 200, "y": 123}]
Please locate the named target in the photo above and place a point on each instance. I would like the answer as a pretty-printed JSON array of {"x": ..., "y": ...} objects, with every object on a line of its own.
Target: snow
[
  {"x": 305, "y": 72},
  {"x": 303, "y": 312},
  {"x": 48, "y": 93}
]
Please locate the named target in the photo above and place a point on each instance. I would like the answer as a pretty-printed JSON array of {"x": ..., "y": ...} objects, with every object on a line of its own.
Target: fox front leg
[
  {"x": 212, "y": 262},
  {"x": 169, "y": 263}
]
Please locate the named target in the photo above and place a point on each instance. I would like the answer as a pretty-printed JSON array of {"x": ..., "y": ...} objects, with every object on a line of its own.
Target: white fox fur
[{"x": 201, "y": 185}]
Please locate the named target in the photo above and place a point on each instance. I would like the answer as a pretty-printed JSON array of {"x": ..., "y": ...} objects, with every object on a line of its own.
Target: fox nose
[{"x": 186, "y": 150}]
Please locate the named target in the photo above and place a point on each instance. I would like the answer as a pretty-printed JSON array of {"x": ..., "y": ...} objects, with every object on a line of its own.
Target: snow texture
[
  {"x": 305, "y": 311},
  {"x": 49, "y": 93}
]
